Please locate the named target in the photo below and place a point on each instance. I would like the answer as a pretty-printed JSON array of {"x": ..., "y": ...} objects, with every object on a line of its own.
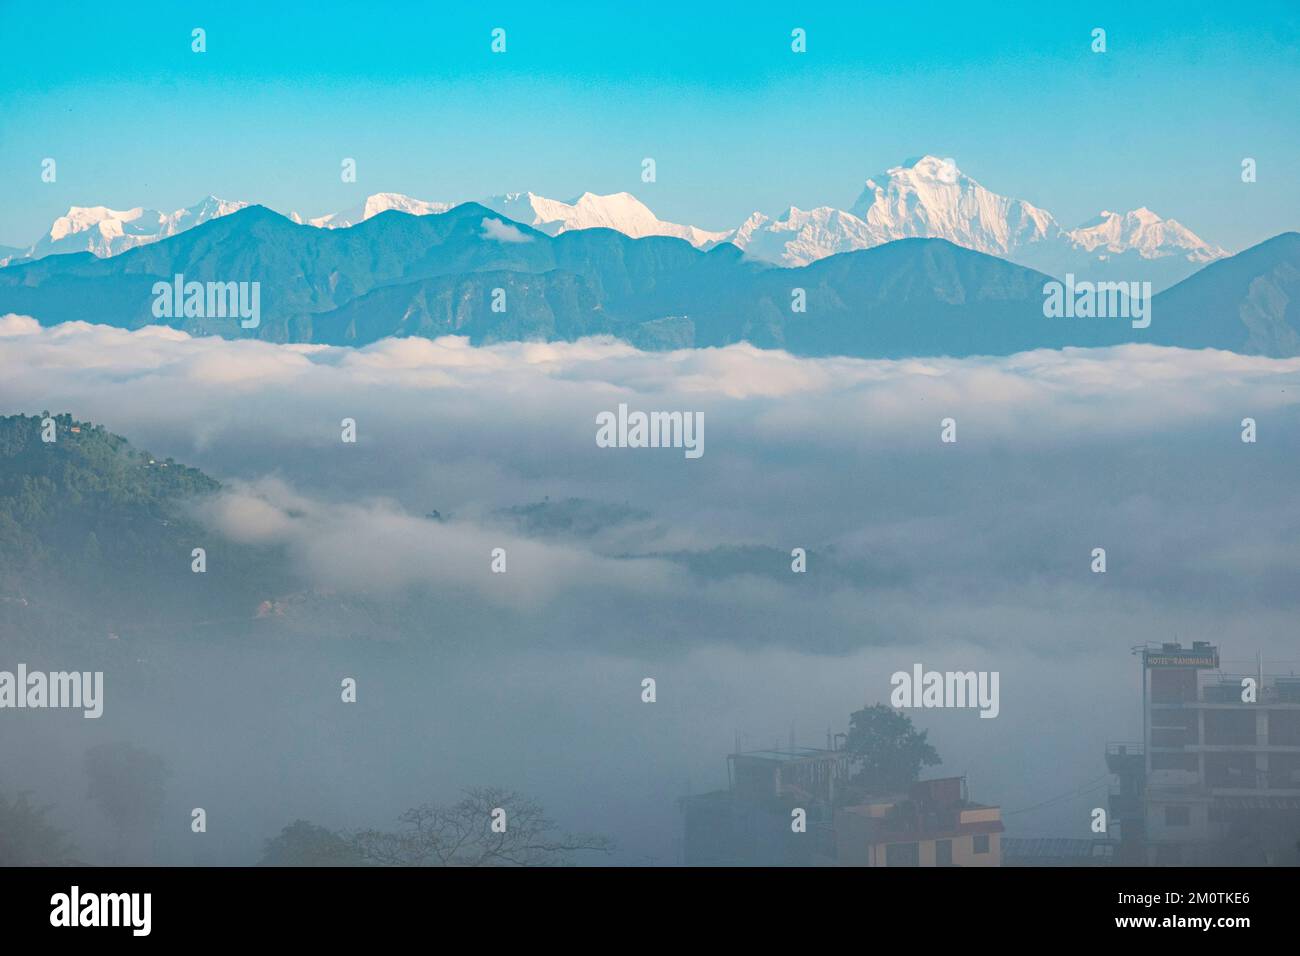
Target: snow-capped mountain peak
[
  {"x": 619, "y": 211},
  {"x": 107, "y": 232},
  {"x": 931, "y": 168},
  {"x": 930, "y": 197},
  {"x": 926, "y": 197},
  {"x": 375, "y": 204},
  {"x": 83, "y": 218},
  {"x": 1144, "y": 232},
  {"x": 798, "y": 237}
]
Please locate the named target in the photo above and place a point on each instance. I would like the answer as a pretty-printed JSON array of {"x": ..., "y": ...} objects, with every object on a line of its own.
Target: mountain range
[
  {"x": 397, "y": 274},
  {"x": 927, "y": 197},
  {"x": 931, "y": 198},
  {"x": 108, "y": 232}
]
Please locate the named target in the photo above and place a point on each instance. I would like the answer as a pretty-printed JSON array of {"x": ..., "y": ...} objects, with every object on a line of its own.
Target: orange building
[{"x": 933, "y": 824}]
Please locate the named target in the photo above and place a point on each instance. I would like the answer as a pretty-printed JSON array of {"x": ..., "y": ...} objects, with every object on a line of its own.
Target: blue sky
[{"x": 734, "y": 119}]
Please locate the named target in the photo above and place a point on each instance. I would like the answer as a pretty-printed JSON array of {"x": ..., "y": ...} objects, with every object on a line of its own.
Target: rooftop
[{"x": 790, "y": 756}]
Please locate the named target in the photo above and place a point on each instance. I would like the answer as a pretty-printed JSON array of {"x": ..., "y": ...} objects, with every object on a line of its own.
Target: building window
[
  {"x": 1174, "y": 761},
  {"x": 902, "y": 854},
  {"x": 1178, "y": 816},
  {"x": 943, "y": 853},
  {"x": 982, "y": 843},
  {"x": 1173, "y": 685}
]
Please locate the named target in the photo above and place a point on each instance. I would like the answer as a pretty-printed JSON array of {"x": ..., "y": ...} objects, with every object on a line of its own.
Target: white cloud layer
[{"x": 1135, "y": 448}]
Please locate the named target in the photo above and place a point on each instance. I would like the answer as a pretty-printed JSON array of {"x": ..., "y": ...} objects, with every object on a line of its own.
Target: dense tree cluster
[{"x": 83, "y": 493}]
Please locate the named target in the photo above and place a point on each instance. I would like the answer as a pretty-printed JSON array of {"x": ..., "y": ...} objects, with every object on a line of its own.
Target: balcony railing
[{"x": 1229, "y": 692}]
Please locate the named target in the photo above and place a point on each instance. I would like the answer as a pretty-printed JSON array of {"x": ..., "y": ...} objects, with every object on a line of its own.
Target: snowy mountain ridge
[{"x": 925, "y": 197}]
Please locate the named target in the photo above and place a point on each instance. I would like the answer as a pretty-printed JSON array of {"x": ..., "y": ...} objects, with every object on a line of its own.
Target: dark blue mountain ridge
[{"x": 402, "y": 275}]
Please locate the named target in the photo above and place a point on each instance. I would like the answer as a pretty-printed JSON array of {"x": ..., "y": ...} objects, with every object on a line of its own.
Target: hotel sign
[{"x": 1197, "y": 658}]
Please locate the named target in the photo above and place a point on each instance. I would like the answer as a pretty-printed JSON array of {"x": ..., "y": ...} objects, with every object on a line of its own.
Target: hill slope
[{"x": 95, "y": 537}]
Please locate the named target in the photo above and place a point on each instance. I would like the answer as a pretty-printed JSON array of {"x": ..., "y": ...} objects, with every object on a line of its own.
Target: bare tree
[{"x": 463, "y": 835}]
